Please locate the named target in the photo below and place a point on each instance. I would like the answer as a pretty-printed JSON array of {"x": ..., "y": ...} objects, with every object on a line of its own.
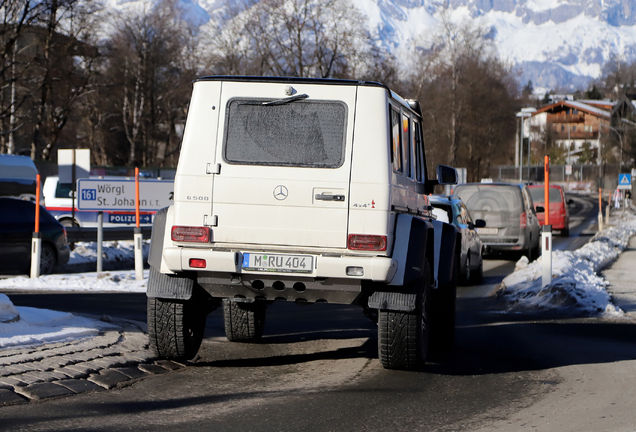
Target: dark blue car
[{"x": 17, "y": 223}]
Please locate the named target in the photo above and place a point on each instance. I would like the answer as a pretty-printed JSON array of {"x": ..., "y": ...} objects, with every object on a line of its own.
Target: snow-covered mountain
[{"x": 555, "y": 43}]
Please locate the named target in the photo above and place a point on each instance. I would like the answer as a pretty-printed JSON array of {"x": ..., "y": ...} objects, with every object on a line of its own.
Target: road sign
[
  {"x": 109, "y": 195},
  {"x": 624, "y": 181},
  {"x": 568, "y": 170}
]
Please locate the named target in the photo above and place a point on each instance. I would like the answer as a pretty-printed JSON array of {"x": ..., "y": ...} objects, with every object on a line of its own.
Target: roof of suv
[
  {"x": 265, "y": 79},
  {"x": 412, "y": 104}
]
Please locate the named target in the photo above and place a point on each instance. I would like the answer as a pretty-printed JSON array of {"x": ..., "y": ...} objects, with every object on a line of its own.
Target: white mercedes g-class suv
[{"x": 304, "y": 190}]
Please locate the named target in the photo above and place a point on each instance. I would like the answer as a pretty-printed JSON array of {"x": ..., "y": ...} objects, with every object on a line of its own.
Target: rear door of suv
[{"x": 285, "y": 160}]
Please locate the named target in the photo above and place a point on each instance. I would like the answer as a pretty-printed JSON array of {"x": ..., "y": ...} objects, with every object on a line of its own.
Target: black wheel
[
  {"x": 467, "y": 276},
  {"x": 68, "y": 222},
  {"x": 530, "y": 251},
  {"x": 478, "y": 275},
  {"x": 48, "y": 259},
  {"x": 175, "y": 327},
  {"x": 243, "y": 321},
  {"x": 403, "y": 336},
  {"x": 565, "y": 232}
]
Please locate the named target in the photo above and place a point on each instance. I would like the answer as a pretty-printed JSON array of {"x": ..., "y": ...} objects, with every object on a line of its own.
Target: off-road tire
[
  {"x": 175, "y": 328},
  {"x": 243, "y": 321},
  {"x": 403, "y": 336},
  {"x": 48, "y": 259}
]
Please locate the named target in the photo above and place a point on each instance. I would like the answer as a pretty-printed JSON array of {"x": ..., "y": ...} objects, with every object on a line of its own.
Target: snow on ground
[
  {"x": 85, "y": 255},
  {"x": 41, "y": 326},
  {"x": 109, "y": 281},
  {"x": 576, "y": 285},
  {"x": 8, "y": 312},
  {"x": 112, "y": 251}
]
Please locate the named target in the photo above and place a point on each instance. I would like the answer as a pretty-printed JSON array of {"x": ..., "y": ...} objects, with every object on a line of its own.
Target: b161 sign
[{"x": 108, "y": 195}]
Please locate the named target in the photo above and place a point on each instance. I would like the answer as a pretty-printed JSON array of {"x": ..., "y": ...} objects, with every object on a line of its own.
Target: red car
[{"x": 559, "y": 213}]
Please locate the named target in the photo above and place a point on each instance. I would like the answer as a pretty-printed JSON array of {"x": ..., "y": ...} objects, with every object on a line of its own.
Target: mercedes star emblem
[{"x": 280, "y": 192}]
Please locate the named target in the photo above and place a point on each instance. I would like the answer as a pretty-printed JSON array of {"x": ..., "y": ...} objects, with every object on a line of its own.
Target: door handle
[{"x": 329, "y": 197}]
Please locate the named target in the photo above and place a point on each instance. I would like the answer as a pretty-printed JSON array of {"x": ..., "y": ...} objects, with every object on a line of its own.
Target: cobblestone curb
[{"x": 112, "y": 359}]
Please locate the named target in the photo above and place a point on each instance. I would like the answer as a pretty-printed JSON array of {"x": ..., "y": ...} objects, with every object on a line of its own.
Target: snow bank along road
[{"x": 316, "y": 369}]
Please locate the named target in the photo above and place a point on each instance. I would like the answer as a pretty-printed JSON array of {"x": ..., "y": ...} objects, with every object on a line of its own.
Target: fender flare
[
  {"x": 447, "y": 246},
  {"x": 165, "y": 284},
  {"x": 413, "y": 244},
  {"x": 157, "y": 237}
]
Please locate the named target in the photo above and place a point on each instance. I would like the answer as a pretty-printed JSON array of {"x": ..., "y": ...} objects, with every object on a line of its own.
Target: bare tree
[
  {"x": 152, "y": 64},
  {"x": 16, "y": 15},
  {"x": 448, "y": 59},
  {"x": 63, "y": 68},
  {"x": 300, "y": 38}
]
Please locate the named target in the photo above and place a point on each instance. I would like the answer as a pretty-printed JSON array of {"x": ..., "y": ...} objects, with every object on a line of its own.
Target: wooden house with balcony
[{"x": 571, "y": 124}]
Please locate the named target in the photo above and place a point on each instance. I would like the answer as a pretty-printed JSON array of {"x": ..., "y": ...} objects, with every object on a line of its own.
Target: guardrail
[{"x": 78, "y": 234}]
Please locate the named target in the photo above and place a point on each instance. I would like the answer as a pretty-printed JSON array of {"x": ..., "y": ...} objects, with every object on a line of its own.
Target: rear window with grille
[{"x": 300, "y": 133}]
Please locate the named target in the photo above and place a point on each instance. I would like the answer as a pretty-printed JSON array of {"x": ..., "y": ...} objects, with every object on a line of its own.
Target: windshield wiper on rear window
[{"x": 287, "y": 100}]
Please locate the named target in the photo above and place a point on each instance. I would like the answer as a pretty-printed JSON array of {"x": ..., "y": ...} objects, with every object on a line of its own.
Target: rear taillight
[
  {"x": 65, "y": 236},
  {"x": 523, "y": 220},
  {"x": 366, "y": 242},
  {"x": 190, "y": 234}
]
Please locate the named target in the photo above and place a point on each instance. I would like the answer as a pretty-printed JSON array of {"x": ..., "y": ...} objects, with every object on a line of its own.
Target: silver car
[
  {"x": 511, "y": 221},
  {"x": 452, "y": 210}
]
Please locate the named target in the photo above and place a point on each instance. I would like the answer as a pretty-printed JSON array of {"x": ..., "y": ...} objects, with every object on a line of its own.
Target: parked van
[
  {"x": 309, "y": 191},
  {"x": 59, "y": 203},
  {"x": 509, "y": 213}
]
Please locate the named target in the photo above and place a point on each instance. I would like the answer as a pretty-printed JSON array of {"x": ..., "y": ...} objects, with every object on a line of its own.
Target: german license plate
[
  {"x": 125, "y": 218},
  {"x": 487, "y": 231},
  {"x": 278, "y": 263}
]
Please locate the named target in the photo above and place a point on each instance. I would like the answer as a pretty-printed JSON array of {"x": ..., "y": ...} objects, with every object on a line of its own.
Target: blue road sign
[{"x": 624, "y": 181}]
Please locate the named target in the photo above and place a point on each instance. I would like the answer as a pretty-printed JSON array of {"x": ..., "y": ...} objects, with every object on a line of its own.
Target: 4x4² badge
[{"x": 280, "y": 192}]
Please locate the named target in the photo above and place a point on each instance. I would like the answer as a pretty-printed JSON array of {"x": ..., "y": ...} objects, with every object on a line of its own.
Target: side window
[
  {"x": 466, "y": 214},
  {"x": 406, "y": 134},
  {"x": 63, "y": 190},
  {"x": 396, "y": 141},
  {"x": 420, "y": 163},
  {"x": 528, "y": 200},
  {"x": 461, "y": 214}
]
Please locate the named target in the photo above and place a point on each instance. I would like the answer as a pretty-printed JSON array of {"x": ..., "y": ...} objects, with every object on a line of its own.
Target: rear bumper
[
  {"x": 558, "y": 223},
  {"x": 512, "y": 245},
  {"x": 376, "y": 269}
]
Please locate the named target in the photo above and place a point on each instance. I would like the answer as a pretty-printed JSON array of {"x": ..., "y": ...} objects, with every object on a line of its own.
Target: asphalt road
[{"x": 317, "y": 369}]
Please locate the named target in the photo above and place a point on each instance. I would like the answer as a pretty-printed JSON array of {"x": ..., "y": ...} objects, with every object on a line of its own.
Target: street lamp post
[{"x": 523, "y": 114}]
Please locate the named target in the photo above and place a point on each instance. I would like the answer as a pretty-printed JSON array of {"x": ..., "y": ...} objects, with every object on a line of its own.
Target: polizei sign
[{"x": 107, "y": 195}]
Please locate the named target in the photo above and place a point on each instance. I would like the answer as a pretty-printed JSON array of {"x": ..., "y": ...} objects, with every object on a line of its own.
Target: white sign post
[
  {"x": 112, "y": 195},
  {"x": 546, "y": 229}
]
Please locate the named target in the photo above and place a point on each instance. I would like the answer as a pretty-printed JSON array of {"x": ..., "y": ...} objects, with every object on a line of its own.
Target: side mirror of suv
[
  {"x": 480, "y": 223},
  {"x": 540, "y": 209},
  {"x": 570, "y": 201},
  {"x": 446, "y": 175}
]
